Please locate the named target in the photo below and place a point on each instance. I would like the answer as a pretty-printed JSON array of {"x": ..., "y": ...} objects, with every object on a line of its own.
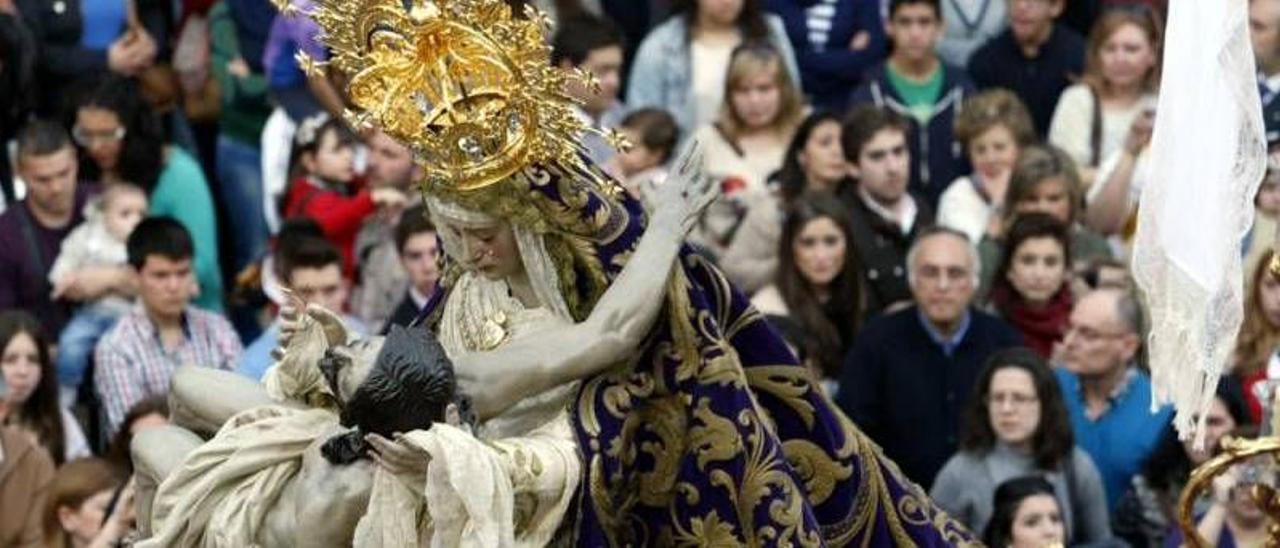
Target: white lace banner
[{"x": 1209, "y": 156}]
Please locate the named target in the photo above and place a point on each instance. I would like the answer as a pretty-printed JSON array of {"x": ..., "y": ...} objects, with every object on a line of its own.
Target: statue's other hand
[
  {"x": 405, "y": 460},
  {"x": 680, "y": 201}
]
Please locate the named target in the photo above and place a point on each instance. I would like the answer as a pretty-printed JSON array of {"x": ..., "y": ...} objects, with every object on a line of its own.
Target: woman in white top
[
  {"x": 1120, "y": 79},
  {"x": 993, "y": 126},
  {"x": 679, "y": 66},
  {"x": 30, "y": 395},
  {"x": 746, "y": 143}
]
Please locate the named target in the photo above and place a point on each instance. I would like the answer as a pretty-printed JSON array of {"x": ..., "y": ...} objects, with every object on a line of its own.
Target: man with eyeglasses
[
  {"x": 1036, "y": 58},
  {"x": 1108, "y": 398},
  {"x": 32, "y": 230},
  {"x": 909, "y": 375}
]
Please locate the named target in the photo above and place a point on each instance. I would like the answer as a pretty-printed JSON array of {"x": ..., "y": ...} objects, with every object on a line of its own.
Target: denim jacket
[{"x": 661, "y": 75}]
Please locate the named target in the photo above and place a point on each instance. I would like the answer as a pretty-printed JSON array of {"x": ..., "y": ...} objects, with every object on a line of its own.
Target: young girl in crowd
[
  {"x": 817, "y": 284},
  {"x": 653, "y": 135},
  {"x": 1122, "y": 71},
  {"x": 1016, "y": 424},
  {"x": 98, "y": 241},
  {"x": 1031, "y": 289},
  {"x": 83, "y": 509},
  {"x": 679, "y": 66},
  {"x": 325, "y": 186},
  {"x": 1044, "y": 180},
  {"x": 1026, "y": 516},
  {"x": 1147, "y": 512},
  {"x": 761, "y": 110},
  {"x": 814, "y": 162},
  {"x": 30, "y": 398},
  {"x": 992, "y": 127}
]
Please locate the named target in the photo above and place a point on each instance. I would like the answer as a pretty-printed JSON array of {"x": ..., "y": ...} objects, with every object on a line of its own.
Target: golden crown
[{"x": 466, "y": 84}]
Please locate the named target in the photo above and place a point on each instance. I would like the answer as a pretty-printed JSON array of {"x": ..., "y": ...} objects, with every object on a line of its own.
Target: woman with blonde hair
[
  {"x": 679, "y": 66},
  {"x": 993, "y": 127},
  {"x": 762, "y": 108},
  {"x": 1118, "y": 89},
  {"x": 1259, "y": 336}
]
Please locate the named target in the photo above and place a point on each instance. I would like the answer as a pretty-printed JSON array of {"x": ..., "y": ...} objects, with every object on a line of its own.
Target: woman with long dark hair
[
  {"x": 813, "y": 162},
  {"x": 680, "y": 66},
  {"x": 1016, "y": 424},
  {"x": 31, "y": 388},
  {"x": 120, "y": 140},
  {"x": 817, "y": 284}
]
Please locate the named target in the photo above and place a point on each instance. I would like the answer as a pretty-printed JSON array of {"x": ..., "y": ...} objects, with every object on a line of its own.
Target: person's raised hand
[{"x": 1140, "y": 131}]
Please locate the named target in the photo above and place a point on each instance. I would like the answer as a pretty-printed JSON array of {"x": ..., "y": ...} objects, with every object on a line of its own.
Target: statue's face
[
  {"x": 489, "y": 249},
  {"x": 353, "y": 363}
]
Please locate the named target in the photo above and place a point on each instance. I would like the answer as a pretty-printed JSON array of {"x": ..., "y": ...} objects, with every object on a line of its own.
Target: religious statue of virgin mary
[
  {"x": 624, "y": 393},
  {"x": 706, "y": 432}
]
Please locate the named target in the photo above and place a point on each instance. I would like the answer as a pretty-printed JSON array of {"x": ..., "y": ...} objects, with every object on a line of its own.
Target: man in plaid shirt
[{"x": 136, "y": 359}]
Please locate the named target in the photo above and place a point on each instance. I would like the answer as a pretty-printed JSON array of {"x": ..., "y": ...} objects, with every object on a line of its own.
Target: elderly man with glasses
[
  {"x": 1108, "y": 397},
  {"x": 911, "y": 372}
]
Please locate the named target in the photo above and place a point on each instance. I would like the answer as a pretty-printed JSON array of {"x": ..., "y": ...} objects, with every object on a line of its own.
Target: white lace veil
[
  {"x": 1208, "y": 158},
  {"x": 533, "y": 250}
]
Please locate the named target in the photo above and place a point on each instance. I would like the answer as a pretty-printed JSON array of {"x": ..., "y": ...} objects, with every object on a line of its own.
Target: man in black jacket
[
  {"x": 419, "y": 255},
  {"x": 886, "y": 218},
  {"x": 1036, "y": 58},
  {"x": 910, "y": 373}
]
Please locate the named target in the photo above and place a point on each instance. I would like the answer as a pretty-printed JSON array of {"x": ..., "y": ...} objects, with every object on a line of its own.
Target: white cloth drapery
[{"x": 1208, "y": 157}]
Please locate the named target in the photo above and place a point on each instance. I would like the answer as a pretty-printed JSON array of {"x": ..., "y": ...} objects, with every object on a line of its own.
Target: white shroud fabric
[{"x": 1208, "y": 158}]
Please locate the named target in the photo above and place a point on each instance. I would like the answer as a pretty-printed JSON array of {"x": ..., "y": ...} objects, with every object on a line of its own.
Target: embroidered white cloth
[{"x": 1208, "y": 157}]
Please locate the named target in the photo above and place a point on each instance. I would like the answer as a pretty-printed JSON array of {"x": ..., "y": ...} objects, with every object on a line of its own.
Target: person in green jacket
[{"x": 237, "y": 31}]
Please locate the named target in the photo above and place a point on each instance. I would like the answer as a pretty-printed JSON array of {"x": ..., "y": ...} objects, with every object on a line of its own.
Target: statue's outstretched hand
[{"x": 680, "y": 201}]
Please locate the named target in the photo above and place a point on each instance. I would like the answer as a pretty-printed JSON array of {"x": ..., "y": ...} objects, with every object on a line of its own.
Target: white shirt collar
[
  {"x": 419, "y": 299},
  {"x": 909, "y": 210}
]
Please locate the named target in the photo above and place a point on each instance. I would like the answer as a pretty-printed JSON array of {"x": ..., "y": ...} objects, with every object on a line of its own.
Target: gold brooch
[{"x": 494, "y": 331}]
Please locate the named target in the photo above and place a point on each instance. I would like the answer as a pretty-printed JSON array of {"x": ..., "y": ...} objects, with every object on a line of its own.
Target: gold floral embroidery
[
  {"x": 789, "y": 384},
  {"x": 816, "y": 469}
]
